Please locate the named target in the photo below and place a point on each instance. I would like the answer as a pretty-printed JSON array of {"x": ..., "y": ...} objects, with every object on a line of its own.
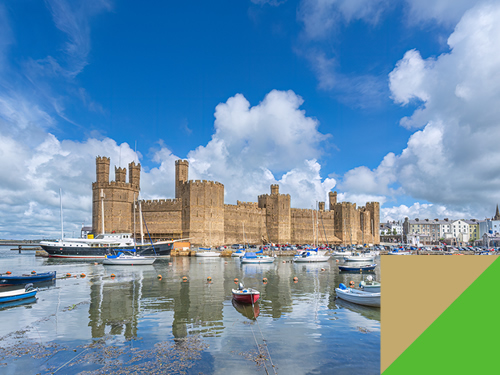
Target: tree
[{"x": 394, "y": 231}]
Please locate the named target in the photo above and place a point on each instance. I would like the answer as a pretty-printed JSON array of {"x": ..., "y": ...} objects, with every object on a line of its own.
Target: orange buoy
[
  {"x": 184, "y": 278},
  {"x": 82, "y": 275},
  {"x": 33, "y": 272},
  {"x": 95, "y": 263},
  {"x": 68, "y": 275},
  {"x": 159, "y": 277},
  {"x": 336, "y": 260},
  {"x": 169, "y": 263},
  {"x": 284, "y": 262},
  {"x": 235, "y": 280},
  {"x": 8, "y": 272},
  {"x": 264, "y": 279},
  {"x": 209, "y": 279},
  {"x": 295, "y": 278},
  {"x": 351, "y": 284},
  {"x": 322, "y": 269},
  {"x": 113, "y": 275}
]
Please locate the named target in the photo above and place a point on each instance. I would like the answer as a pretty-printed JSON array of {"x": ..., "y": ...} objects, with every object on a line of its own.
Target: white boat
[
  {"x": 312, "y": 255},
  {"x": 127, "y": 260},
  {"x": 358, "y": 296},
  {"x": 360, "y": 258},
  {"x": 341, "y": 253},
  {"x": 397, "y": 252},
  {"x": 256, "y": 258},
  {"x": 238, "y": 253},
  {"x": 370, "y": 285},
  {"x": 207, "y": 252}
]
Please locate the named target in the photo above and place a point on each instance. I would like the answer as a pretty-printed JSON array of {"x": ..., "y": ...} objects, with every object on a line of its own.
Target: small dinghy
[
  {"x": 18, "y": 294},
  {"x": 360, "y": 258},
  {"x": 238, "y": 253},
  {"x": 34, "y": 277},
  {"x": 122, "y": 259},
  {"x": 207, "y": 252},
  {"x": 358, "y": 296},
  {"x": 370, "y": 285},
  {"x": 311, "y": 255},
  {"x": 368, "y": 267},
  {"x": 245, "y": 295}
]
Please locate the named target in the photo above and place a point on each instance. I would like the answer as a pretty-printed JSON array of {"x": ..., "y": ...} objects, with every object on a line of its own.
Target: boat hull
[
  {"x": 87, "y": 252},
  {"x": 127, "y": 261},
  {"x": 256, "y": 260},
  {"x": 311, "y": 259},
  {"x": 16, "y": 295},
  {"x": 359, "y": 259},
  {"x": 207, "y": 254},
  {"x": 6, "y": 280},
  {"x": 359, "y": 297},
  {"x": 246, "y": 296},
  {"x": 370, "y": 267}
]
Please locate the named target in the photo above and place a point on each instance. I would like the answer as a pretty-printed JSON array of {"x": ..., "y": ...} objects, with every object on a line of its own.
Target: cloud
[
  {"x": 254, "y": 147},
  {"x": 447, "y": 12},
  {"x": 423, "y": 211},
  {"x": 453, "y": 161}
]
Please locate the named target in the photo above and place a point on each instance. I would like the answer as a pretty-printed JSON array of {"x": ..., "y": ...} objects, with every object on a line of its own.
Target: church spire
[{"x": 497, "y": 215}]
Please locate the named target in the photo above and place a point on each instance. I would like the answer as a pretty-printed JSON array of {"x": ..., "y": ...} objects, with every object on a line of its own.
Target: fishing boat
[
  {"x": 245, "y": 295},
  {"x": 33, "y": 277},
  {"x": 18, "y": 294},
  {"x": 360, "y": 258},
  {"x": 357, "y": 268},
  {"x": 311, "y": 255},
  {"x": 358, "y": 296},
  {"x": 122, "y": 259},
  {"x": 256, "y": 258},
  {"x": 399, "y": 252},
  {"x": 370, "y": 285}
]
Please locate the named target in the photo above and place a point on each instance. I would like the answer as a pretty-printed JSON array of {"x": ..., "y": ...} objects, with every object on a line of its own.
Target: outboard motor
[{"x": 240, "y": 286}]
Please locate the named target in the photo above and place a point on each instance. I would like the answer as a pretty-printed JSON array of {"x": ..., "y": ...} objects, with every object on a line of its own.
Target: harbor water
[{"x": 183, "y": 323}]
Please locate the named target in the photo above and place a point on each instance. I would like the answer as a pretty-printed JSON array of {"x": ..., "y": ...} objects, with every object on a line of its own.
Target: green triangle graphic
[{"x": 464, "y": 339}]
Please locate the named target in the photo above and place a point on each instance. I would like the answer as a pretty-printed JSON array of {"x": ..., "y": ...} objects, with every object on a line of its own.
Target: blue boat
[
  {"x": 18, "y": 294},
  {"x": 25, "y": 279},
  {"x": 369, "y": 267}
]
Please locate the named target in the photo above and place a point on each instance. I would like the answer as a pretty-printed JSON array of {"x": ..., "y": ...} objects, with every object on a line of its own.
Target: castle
[{"x": 198, "y": 212}]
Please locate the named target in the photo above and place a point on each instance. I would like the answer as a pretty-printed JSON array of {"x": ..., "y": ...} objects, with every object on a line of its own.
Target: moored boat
[
  {"x": 122, "y": 259},
  {"x": 312, "y": 255},
  {"x": 207, "y": 252},
  {"x": 370, "y": 286},
  {"x": 33, "y": 277},
  {"x": 357, "y": 268},
  {"x": 102, "y": 245},
  {"x": 360, "y": 258},
  {"x": 247, "y": 310},
  {"x": 18, "y": 294},
  {"x": 358, "y": 296},
  {"x": 238, "y": 253},
  {"x": 256, "y": 258},
  {"x": 245, "y": 295}
]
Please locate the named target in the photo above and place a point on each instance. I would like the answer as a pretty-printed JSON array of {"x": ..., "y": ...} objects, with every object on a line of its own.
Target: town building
[{"x": 198, "y": 213}]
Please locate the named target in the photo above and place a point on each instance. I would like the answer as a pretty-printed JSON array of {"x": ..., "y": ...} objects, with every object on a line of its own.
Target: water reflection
[
  {"x": 247, "y": 310},
  {"x": 27, "y": 302}
]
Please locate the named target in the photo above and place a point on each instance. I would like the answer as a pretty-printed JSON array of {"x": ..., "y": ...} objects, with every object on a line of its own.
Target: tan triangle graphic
[{"x": 416, "y": 291}]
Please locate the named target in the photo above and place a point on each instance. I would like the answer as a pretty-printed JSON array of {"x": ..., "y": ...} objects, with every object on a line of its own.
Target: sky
[{"x": 388, "y": 101}]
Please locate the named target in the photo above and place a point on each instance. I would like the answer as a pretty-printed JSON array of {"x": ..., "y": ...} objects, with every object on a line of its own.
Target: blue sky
[{"x": 393, "y": 101}]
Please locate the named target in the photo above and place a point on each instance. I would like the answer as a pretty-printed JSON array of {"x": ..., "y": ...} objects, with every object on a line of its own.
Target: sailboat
[{"x": 312, "y": 255}]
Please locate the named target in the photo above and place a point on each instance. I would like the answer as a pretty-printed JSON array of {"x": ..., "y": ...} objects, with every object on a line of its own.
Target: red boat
[{"x": 245, "y": 295}]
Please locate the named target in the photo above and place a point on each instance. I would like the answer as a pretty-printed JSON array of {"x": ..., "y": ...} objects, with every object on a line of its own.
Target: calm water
[{"x": 136, "y": 323}]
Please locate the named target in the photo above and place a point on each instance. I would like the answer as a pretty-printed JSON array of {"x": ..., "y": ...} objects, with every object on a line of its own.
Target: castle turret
[
  {"x": 321, "y": 206},
  {"x": 275, "y": 189},
  {"x": 102, "y": 169},
  {"x": 120, "y": 174},
  {"x": 333, "y": 199},
  {"x": 181, "y": 175},
  {"x": 134, "y": 174}
]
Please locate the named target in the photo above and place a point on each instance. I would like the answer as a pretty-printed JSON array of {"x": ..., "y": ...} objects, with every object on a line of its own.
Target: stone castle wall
[{"x": 198, "y": 213}]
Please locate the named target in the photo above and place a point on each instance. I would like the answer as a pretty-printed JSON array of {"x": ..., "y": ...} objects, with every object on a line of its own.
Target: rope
[
  {"x": 264, "y": 341},
  {"x": 71, "y": 360}
]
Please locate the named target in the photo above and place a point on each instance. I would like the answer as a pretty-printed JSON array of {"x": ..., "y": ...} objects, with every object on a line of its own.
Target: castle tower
[
  {"x": 102, "y": 169},
  {"x": 374, "y": 209},
  {"x": 120, "y": 174},
  {"x": 333, "y": 199},
  {"x": 278, "y": 215},
  {"x": 321, "y": 206},
  {"x": 181, "y": 175},
  {"x": 134, "y": 174},
  {"x": 113, "y": 198}
]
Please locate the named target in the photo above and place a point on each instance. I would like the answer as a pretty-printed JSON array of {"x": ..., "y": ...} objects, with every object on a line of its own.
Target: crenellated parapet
[{"x": 162, "y": 205}]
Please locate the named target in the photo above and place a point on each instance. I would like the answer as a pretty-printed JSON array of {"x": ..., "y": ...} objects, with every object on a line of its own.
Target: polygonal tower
[{"x": 181, "y": 175}]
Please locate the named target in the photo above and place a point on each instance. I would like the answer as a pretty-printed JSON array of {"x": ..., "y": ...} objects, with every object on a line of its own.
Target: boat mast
[
  {"x": 135, "y": 237},
  {"x": 62, "y": 223}
]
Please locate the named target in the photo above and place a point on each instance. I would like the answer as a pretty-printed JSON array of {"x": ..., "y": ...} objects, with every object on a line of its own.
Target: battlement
[
  {"x": 247, "y": 204},
  {"x": 102, "y": 159},
  {"x": 203, "y": 182},
  {"x": 181, "y": 162},
  {"x": 161, "y": 204}
]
